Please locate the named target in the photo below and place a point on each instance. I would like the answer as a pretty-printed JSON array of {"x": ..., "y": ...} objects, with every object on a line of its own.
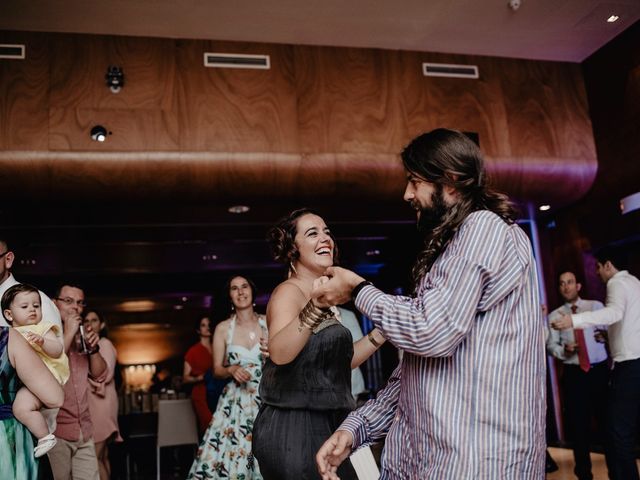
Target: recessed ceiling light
[
  {"x": 238, "y": 209},
  {"x": 613, "y": 18},
  {"x": 544, "y": 208}
]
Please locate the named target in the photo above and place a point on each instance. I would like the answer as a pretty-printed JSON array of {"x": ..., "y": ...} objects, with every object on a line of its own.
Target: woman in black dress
[{"x": 306, "y": 383}]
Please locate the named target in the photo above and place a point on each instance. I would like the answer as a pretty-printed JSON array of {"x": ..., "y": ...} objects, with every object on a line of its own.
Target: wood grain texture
[
  {"x": 570, "y": 113},
  {"x": 553, "y": 180},
  {"x": 101, "y": 175},
  {"x": 546, "y": 109},
  {"x": 320, "y": 121},
  {"x": 142, "y": 116},
  {"x": 347, "y": 101},
  {"x": 79, "y": 64},
  {"x": 528, "y": 100},
  {"x": 462, "y": 104},
  {"x": 24, "y": 88},
  {"x": 236, "y": 110},
  {"x": 129, "y": 130}
]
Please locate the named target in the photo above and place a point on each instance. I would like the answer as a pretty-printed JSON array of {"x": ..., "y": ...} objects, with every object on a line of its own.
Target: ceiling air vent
[
  {"x": 15, "y": 52},
  {"x": 236, "y": 60},
  {"x": 448, "y": 70}
]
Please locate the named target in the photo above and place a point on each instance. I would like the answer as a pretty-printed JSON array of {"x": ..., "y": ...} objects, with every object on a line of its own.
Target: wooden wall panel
[
  {"x": 347, "y": 100},
  {"x": 528, "y": 98},
  {"x": 79, "y": 64},
  {"x": 24, "y": 89},
  {"x": 463, "y": 104},
  {"x": 570, "y": 114},
  {"x": 231, "y": 110},
  {"x": 142, "y": 116},
  {"x": 320, "y": 121},
  {"x": 129, "y": 130},
  {"x": 193, "y": 175}
]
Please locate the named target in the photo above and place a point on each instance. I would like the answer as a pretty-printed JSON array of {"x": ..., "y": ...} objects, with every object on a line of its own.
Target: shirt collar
[
  {"x": 578, "y": 303},
  {"x": 10, "y": 281}
]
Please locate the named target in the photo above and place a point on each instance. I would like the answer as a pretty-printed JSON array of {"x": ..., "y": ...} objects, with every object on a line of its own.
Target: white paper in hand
[{"x": 364, "y": 464}]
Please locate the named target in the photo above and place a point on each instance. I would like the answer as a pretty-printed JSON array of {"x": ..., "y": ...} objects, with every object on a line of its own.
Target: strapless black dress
[{"x": 303, "y": 403}]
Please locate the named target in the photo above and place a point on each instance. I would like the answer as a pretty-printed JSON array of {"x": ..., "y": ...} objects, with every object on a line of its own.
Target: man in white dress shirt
[
  {"x": 585, "y": 373},
  {"x": 622, "y": 315},
  {"x": 49, "y": 311}
]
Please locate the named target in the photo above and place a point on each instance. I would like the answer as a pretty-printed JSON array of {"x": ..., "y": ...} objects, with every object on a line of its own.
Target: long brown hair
[{"x": 449, "y": 157}]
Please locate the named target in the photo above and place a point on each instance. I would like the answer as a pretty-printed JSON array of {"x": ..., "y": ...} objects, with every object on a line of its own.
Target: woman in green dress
[{"x": 20, "y": 365}]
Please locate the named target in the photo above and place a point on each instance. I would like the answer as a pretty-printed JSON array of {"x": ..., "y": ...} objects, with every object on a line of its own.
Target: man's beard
[{"x": 431, "y": 217}]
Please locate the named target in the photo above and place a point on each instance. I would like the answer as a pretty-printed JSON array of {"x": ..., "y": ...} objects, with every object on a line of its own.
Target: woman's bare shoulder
[
  {"x": 288, "y": 289},
  {"x": 223, "y": 326}
]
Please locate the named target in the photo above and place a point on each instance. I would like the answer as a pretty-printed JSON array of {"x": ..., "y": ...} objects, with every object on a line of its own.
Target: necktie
[{"x": 583, "y": 353}]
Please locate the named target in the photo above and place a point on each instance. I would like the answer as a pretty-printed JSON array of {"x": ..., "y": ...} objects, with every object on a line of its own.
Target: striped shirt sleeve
[
  {"x": 372, "y": 421},
  {"x": 435, "y": 322}
]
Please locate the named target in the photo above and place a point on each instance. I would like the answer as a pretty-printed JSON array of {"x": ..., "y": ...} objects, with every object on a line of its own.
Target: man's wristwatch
[{"x": 360, "y": 286}]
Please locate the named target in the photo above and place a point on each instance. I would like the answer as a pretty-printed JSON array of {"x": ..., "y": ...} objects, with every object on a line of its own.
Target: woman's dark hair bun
[{"x": 282, "y": 235}]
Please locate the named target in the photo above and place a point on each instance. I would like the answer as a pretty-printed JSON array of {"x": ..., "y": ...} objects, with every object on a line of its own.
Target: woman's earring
[{"x": 292, "y": 268}]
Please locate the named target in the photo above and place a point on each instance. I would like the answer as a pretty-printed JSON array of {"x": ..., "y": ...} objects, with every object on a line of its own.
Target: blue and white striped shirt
[{"x": 468, "y": 399}]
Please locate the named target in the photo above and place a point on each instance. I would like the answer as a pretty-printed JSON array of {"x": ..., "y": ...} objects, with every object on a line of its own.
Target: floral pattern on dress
[
  {"x": 225, "y": 449},
  {"x": 16, "y": 442}
]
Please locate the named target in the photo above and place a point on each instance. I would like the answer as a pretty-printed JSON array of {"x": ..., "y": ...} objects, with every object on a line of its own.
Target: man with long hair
[{"x": 468, "y": 398}]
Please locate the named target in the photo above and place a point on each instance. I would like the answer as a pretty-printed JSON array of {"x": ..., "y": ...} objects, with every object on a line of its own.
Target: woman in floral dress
[{"x": 225, "y": 450}]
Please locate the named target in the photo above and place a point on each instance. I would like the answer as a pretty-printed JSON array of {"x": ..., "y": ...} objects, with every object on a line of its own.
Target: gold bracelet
[
  {"x": 311, "y": 316},
  {"x": 373, "y": 340}
]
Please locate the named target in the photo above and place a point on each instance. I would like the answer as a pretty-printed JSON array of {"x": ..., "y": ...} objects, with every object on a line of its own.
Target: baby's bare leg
[{"x": 26, "y": 408}]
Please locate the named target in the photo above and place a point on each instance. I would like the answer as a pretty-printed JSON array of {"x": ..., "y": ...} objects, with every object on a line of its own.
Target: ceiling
[{"x": 562, "y": 30}]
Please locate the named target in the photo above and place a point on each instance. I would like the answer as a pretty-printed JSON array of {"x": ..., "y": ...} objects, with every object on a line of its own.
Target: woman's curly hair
[{"x": 281, "y": 237}]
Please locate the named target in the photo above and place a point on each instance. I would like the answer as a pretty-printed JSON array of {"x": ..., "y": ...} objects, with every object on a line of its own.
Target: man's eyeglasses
[
  {"x": 3, "y": 254},
  {"x": 71, "y": 301}
]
